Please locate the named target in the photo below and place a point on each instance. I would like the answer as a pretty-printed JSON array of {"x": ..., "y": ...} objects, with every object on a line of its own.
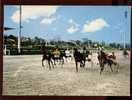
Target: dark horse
[
  {"x": 105, "y": 59},
  {"x": 125, "y": 53},
  {"x": 79, "y": 58},
  {"x": 47, "y": 55}
]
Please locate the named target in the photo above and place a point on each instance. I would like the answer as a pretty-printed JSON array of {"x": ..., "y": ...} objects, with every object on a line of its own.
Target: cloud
[
  {"x": 95, "y": 25},
  {"x": 33, "y": 12},
  {"x": 73, "y": 27},
  {"x": 54, "y": 29},
  {"x": 47, "y": 21},
  {"x": 71, "y": 21}
]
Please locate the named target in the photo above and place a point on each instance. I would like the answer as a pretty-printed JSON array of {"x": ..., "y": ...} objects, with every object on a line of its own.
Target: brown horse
[
  {"x": 47, "y": 56},
  {"x": 79, "y": 58},
  {"x": 104, "y": 59}
]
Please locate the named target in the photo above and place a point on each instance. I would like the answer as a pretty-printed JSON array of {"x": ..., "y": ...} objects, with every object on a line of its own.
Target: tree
[
  {"x": 38, "y": 41},
  {"x": 85, "y": 42},
  {"x": 113, "y": 45},
  {"x": 10, "y": 40},
  {"x": 12, "y": 37},
  {"x": 78, "y": 42},
  {"x": 103, "y": 43}
]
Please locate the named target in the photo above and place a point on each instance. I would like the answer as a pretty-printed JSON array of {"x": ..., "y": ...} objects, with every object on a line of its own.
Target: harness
[
  {"x": 112, "y": 57},
  {"x": 67, "y": 53}
]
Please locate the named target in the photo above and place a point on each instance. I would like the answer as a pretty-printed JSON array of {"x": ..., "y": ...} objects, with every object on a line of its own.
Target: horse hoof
[{"x": 117, "y": 71}]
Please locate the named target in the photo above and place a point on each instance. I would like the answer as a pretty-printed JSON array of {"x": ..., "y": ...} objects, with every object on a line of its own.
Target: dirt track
[{"x": 24, "y": 75}]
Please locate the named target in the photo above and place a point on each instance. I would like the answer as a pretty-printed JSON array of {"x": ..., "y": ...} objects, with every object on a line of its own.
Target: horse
[
  {"x": 68, "y": 55},
  {"x": 47, "y": 56},
  {"x": 125, "y": 53},
  {"x": 79, "y": 58},
  {"x": 87, "y": 55},
  {"x": 58, "y": 55},
  {"x": 104, "y": 59}
]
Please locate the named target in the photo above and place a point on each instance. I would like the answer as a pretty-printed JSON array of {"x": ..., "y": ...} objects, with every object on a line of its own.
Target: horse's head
[
  {"x": 102, "y": 55},
  {"x": 75, "y": 50}
]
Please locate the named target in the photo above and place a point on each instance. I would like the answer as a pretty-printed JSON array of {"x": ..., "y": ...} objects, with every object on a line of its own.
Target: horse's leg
[
  {"x": 72, "y": 58},
  {"x": 76, "y": 66},
  {"x": 111, "y": 67},
  {"x": 81, "y": 63},
  {"x": 118, "y": 67},
  {"x": 102, "y": 68},
  {"x": 52, "y": 63},
  {"x": 66, "y": 59},
  {"x": 59, "y": 60},
  {"x": 84, "y": 62},
  {"x": 116, "y": 64},
  {"x": 91, "y": 63},
  {"x": 127, "y": 55},
  {"x": 49, "y": 64},
  {"x": 42, "y": 62},
  {"x": 100, "y": 63},
  {"x": 62, "y": 61}
]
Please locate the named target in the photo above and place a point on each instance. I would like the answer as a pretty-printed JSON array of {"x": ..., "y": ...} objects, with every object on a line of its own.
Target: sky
[{"x": 97, "y": 23}]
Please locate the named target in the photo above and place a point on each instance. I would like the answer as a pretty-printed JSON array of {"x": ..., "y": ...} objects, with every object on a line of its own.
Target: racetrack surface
[{"x": 24, "y": 75}]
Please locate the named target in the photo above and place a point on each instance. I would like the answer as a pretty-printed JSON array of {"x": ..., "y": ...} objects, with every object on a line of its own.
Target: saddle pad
[
  {"x": 56, "y": 56},
  {"x": 47, "y": 55}
]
